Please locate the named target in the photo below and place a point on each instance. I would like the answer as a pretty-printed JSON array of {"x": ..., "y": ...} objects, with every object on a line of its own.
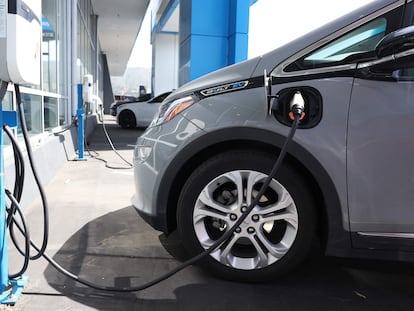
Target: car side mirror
[
  {"x": 394, "y": 52},
  {"x": 396, "y": 42}
]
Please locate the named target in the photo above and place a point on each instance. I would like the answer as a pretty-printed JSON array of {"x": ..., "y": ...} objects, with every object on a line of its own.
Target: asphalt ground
[{"x": 95, "y": 233}]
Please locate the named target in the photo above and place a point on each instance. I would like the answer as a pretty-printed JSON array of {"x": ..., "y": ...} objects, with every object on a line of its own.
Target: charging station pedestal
[
  {"x": 3, "y": 233},
  {"x": 20, "y": 42},
  {"x": 85, "y": 96},
  {"x": 10, "y": 289},
  {"x": 81, "y": 125}
]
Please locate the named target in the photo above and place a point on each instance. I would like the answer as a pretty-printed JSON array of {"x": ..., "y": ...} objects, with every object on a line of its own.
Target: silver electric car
[{"x": 347, "y": 180}]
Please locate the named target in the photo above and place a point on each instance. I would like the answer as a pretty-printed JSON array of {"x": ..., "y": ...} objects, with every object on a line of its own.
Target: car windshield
[{"x": 159, "y": 98}]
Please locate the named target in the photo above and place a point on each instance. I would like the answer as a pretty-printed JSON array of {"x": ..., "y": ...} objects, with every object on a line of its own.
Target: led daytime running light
[
  {"x": 177, "y": 109},
  {"x": 169, "y": 110}
]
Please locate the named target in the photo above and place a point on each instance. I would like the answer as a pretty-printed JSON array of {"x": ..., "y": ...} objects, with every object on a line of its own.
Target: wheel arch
[{"x": 326, "y": 198}]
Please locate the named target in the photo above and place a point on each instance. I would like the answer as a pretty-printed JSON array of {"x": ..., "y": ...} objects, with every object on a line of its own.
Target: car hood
[{"x": 257, "y": 66}]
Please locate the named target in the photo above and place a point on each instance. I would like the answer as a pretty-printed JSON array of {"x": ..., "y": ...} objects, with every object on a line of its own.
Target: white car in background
[{"x": 139, "y": 114}]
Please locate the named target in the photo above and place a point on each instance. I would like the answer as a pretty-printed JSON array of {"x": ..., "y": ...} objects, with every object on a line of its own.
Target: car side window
[
  {"x": 406, "y": 74},
  {"x": 354, "y": 46},
  {"x": 344, "y": 49},
  {"x": 363, "y": 39}
]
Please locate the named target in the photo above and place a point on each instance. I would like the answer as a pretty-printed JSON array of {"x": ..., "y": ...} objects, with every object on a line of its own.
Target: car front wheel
[
  {"x": 275, "y": 236},
  {"x": 127, "y": 119}
]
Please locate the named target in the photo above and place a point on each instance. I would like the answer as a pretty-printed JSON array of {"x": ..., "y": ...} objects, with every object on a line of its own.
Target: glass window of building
[
  {"x": 51, "y": 112},
  {"x": 63, "y": 111},
  {"x": 49, "y": 47},
  {"x": 54, "y": 63},
  {"x": 86, "y": 46},
  {"x": 7, "y": 105},
  {"x": 32, "y": 105},
  {"x": 86, "y": 43}
]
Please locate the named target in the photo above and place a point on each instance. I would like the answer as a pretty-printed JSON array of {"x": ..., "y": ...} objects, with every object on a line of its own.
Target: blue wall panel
[
  {"x": 238, "y": 30},
  {"x": 237, "y": 48},
  {"x": 239, "y": 18},
  {"x": 210, "y": 18},
  {"x": 213, "y": 34},
  {"x": 208, "y": 53}
]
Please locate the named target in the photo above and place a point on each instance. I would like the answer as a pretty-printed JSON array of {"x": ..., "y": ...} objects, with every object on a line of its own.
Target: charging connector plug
[{"x": 297, "y": 106}]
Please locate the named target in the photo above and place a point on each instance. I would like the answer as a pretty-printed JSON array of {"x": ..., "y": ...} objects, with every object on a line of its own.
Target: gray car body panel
[{"x": 243, "y": 116}]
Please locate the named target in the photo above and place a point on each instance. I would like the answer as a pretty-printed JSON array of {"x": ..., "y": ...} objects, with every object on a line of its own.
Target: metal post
[{"x": 81, "y": 123}]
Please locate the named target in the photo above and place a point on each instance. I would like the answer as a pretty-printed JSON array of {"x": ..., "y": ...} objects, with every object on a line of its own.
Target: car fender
[{"x": 196, "y": 151}]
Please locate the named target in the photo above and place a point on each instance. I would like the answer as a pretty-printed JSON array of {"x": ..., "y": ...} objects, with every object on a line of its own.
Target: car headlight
[{"x": 172, "y": 108}]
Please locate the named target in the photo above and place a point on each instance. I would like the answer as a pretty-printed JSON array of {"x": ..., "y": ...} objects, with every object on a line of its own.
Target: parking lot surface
[{"x": 96, "y": 234}]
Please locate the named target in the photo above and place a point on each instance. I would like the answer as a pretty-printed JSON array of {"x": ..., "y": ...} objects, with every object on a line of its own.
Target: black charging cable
[
  {"x": 96, "y": 154},
  {"x": 297, "y": 111},
  {"x": 25, "y": 232},
  {"x": 35, "y": 174},
  {"x": 108, "y": 138}
]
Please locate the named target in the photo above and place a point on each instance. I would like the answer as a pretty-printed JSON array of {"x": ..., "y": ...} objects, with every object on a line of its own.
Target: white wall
[
  {"x": 165, "y": 58},
  {"x": 274, "y": 23}
]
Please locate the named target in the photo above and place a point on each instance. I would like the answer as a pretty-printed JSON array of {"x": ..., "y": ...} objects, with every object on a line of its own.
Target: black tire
[
  {"x": 297, "y": 230},
  {"x": 127, "y": 119}
]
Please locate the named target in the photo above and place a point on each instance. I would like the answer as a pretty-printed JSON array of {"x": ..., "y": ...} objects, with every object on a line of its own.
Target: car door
[
  {"x": 376, "y": 130},
  {"x": 379, "y": 156},
  {"x": 380, "y": 145}
]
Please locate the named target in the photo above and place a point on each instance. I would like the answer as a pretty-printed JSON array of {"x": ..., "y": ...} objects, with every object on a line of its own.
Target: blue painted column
[
  {"x": 213, "y": 35},
  {"x": 238, "y": 30},
  {"x": 4, "y": 266},
  {"x": 81, "y": 123}
]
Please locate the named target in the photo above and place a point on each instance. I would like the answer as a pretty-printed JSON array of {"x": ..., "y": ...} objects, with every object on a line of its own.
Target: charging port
[{"x": 312, "y": 112}]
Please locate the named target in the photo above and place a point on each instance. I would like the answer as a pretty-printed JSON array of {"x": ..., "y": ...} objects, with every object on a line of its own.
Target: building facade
[{"x": 70, "y": 49}]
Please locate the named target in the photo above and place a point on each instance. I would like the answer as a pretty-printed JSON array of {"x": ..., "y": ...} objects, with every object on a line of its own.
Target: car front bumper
[{"x": 154, "y": 155}]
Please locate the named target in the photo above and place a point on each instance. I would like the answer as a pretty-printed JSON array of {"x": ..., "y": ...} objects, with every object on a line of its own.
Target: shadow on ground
[{"x": 119, "y": 249}]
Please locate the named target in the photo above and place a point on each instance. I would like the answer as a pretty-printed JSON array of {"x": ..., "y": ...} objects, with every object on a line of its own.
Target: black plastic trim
[
  {"x": 315, "y": 76},
  {"x": 389, "y": 248},
  {"x": 255, "y": 82},
  {"x": 12, "y": 7},
  {"x": 252, "y": 83}
]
